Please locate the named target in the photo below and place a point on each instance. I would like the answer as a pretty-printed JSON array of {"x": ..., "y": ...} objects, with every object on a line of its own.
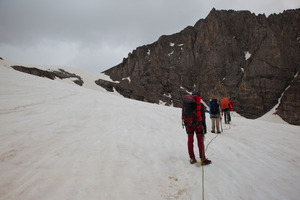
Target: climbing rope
[
  {"x": 211, "y": 141},
  {"x": 202, "y": 182},
  {"x": 203, "y": 166}
]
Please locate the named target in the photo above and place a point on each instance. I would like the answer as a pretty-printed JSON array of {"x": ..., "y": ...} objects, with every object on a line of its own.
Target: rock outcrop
[
  {"x": 51, "y": 74},
  {"x": 289, "y": 106},
  {"x": 236, "y": 54}
]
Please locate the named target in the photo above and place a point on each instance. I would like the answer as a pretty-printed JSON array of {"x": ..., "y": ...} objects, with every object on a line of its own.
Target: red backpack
[
  {"x": 191, "y": 110},
  {"x": 224, "y": 103}
]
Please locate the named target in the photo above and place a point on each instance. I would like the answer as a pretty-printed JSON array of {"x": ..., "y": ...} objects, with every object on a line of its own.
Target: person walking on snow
[
  {"x": 195, "y": 123},
  {"x": 215, "y": 115},
  {"x": 226, "y": 106}
]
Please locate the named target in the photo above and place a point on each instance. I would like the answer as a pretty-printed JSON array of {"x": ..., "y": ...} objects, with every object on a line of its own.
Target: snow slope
[{"x": 62, "y": 141}]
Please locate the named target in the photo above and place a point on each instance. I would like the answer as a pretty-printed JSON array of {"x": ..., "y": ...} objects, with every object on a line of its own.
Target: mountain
[
  {"x": 252, "y": 60},
  {"x": 59, "y": 140}
]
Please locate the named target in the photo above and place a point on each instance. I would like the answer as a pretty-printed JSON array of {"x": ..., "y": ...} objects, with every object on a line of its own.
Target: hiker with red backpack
[
  {"x": 226, "y": 107},
  {"x": 215, "y": 115},
  {"x": 193, "y": 117}
]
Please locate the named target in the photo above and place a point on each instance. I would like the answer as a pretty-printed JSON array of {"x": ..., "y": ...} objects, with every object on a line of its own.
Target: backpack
[
  {"x": 224, "y": 103},
  {"x": 213, "y": 107},
  {"x": 191, "y": 110}
]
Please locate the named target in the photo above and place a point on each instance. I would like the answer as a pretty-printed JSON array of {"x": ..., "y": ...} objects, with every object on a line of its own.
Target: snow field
[{"x": 62, "y": 141}]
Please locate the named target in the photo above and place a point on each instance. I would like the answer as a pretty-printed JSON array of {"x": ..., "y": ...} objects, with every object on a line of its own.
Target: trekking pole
[{"x": 221, "y": 124}]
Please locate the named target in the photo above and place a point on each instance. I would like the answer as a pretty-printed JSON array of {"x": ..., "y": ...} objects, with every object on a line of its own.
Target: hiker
[
  {"x": 215, "y": 115},
  {"x": 193, "y": 116},
  {"x": 232, "y": 105},
  {"x": 226, "y": 106}
]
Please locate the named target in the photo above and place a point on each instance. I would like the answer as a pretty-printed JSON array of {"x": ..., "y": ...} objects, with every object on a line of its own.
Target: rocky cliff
[
  {"x": 51, "y": 74},
  {"x": 252, "y": 60}
]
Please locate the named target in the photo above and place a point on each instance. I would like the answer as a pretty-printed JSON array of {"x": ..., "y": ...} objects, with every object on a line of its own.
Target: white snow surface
[
  {"x": 127, "y": 78},
  {"x": 62, "y": 141},
  {"x": 247, "y": 55},
  {"x": 169, "y": 54}
]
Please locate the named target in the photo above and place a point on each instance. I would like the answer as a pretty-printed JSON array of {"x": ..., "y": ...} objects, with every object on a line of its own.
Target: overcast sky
[{"x": 96, "y": 35}]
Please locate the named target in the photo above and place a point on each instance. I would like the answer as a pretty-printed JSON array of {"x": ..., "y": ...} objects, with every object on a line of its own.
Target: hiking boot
[
  {"x": 193, "y": 160},
  {"x": 213, "y": 131},
  {"x": 218, "y": 132},
  {"x": 205, "y": 162}
]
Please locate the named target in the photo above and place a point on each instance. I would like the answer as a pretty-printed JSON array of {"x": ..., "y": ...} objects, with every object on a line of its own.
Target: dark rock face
[
  {"x": 34, "y": 71},
  {"x": 290, "y": 105},
  {"x": 249, "y": 59},
  {"x": 127, "y": 90},
  {"x": 62, "y": 74}
]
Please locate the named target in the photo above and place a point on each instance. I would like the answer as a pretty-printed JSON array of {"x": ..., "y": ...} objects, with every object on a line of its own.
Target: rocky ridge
[
  {"x": 51, "y": 74},
  {"x": 253, "y": 60}
]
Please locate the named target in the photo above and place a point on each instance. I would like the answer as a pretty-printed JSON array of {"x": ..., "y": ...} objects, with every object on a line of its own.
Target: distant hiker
[
  {"x": 215, "y": 115},
  {"x": 193, "y": 117},
  {"x": 232, "y": 105},
  {"x": 226, "y": 106}
]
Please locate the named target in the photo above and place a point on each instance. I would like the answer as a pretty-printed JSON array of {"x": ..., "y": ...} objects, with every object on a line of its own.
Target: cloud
[{"x": 97, "y": 34}]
